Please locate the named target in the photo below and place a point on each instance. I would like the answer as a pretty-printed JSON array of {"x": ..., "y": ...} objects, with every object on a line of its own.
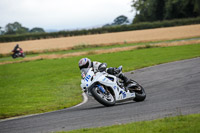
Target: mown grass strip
[
  {"x": 78, "y": 48},
  {"x": 47, "y": 85},
  {"x": 87, "y": 47},
  {"x": 178, "y": 124},
  {"x": 97, "y": 51}
]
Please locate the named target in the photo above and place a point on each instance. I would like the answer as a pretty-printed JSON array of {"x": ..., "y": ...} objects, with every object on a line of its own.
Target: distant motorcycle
[
  {"x": 18, "y": 53},
  {"x": 107, "y": 89}
]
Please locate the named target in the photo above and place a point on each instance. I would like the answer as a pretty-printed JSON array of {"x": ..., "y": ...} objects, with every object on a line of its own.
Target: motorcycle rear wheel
[
  {"x": 23, "y": 55},
  {"x": 105, "y": 99},
  {"x": 140, "y": 95}
]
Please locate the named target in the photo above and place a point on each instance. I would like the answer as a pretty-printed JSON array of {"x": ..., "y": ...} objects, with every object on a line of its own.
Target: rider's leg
[
  {"x": 124, "y": 78},
  {"x": 114, "y": 71},
  {"x": 110, "y": 70}
]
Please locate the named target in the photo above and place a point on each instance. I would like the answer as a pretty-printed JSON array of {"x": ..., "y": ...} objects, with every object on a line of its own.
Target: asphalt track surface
[{"x": 172, "y": 89}]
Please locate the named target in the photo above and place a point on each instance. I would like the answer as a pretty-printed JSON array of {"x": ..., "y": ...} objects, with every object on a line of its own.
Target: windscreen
[{"x": 84, "y": 72}]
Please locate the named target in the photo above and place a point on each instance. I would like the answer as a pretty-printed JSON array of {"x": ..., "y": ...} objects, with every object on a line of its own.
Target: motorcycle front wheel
[
  {"x": 107, "y": 99},
  {"x": 14, "y": 56}
]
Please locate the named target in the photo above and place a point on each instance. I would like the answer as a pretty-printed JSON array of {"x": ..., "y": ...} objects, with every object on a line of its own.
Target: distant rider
[
  {"x": 98, "y": 66},
  {"x": 17, "y": 49}
]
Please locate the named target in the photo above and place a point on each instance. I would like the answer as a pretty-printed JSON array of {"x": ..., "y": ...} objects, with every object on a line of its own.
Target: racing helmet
[{"x": 85, "y": 63}]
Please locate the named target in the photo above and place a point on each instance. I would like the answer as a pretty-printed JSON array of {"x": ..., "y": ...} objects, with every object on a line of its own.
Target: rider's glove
[
  {"x": 118, "y": 71},
  {"x": 102, "y": 67}
]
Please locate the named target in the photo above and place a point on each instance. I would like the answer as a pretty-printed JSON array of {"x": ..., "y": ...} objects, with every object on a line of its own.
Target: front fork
[{"x": 101, "y": 89}]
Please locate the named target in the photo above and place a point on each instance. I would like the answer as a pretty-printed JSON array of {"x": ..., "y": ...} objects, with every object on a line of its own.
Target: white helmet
[{"x": 85, "y": 63}]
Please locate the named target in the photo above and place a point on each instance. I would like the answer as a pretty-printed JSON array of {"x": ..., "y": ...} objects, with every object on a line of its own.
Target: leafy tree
[
  {"x": 196, "y": 4},
  {"x": 182, "y": 9},
  {"x": 154, "y": 10},
  {"x": 15, "y": 28},
  {"x": 1, "y": 31},
  {"x": 121, "y": 20},
  {"x": 37, "y": 30},
  {"x": 148, "y": 10}
]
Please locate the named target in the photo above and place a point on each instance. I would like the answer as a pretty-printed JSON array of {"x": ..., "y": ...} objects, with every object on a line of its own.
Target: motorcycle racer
[
  {"x": 17, "y": 49},
  {"x": 98, "y": 66},
  {"x": 17, "y": 52}
]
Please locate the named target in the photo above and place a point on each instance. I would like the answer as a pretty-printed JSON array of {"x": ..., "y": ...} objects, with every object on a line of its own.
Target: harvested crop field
[
  {"x": 109, "y": 38},
  {"x": 101, "y": 51}
]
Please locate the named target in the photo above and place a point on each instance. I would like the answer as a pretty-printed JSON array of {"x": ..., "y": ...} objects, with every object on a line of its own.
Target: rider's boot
[{"x": 124, "y": 78}]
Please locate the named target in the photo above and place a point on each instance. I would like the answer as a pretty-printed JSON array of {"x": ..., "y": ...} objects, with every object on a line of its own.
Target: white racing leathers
[{"x": 96, "y": 65}]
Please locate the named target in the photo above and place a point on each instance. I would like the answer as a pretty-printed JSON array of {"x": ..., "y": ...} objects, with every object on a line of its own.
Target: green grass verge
[
  {"x": 178, "y": 124},
  {"x": 47, "y": 85}
]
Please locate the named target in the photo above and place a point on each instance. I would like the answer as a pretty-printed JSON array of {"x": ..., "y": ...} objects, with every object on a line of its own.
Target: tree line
[
  {"x": 109, "y": 29},
  {"x": 159, "y": 10},
  {"x": 149, "y": 14},
  {"x": 17, "y": 28}
]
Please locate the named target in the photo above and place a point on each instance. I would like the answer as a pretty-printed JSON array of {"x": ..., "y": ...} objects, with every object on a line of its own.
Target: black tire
[
  {"x": 96, "y": 94},
  {"x": 140, "y": 95},
  {"x": 14, "y": 56},
  {"x": 23, "y": 55}
]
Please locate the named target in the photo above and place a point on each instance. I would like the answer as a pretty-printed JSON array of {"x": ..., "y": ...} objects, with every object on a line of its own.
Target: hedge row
[{"x": 137, "y": 26}]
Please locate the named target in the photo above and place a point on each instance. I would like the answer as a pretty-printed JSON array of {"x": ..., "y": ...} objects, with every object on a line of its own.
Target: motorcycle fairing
[{"x": 92, "y": 79}]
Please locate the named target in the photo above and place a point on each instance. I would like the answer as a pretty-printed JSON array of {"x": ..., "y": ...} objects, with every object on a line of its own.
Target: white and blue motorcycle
[{"x": 108, "y": 89}]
